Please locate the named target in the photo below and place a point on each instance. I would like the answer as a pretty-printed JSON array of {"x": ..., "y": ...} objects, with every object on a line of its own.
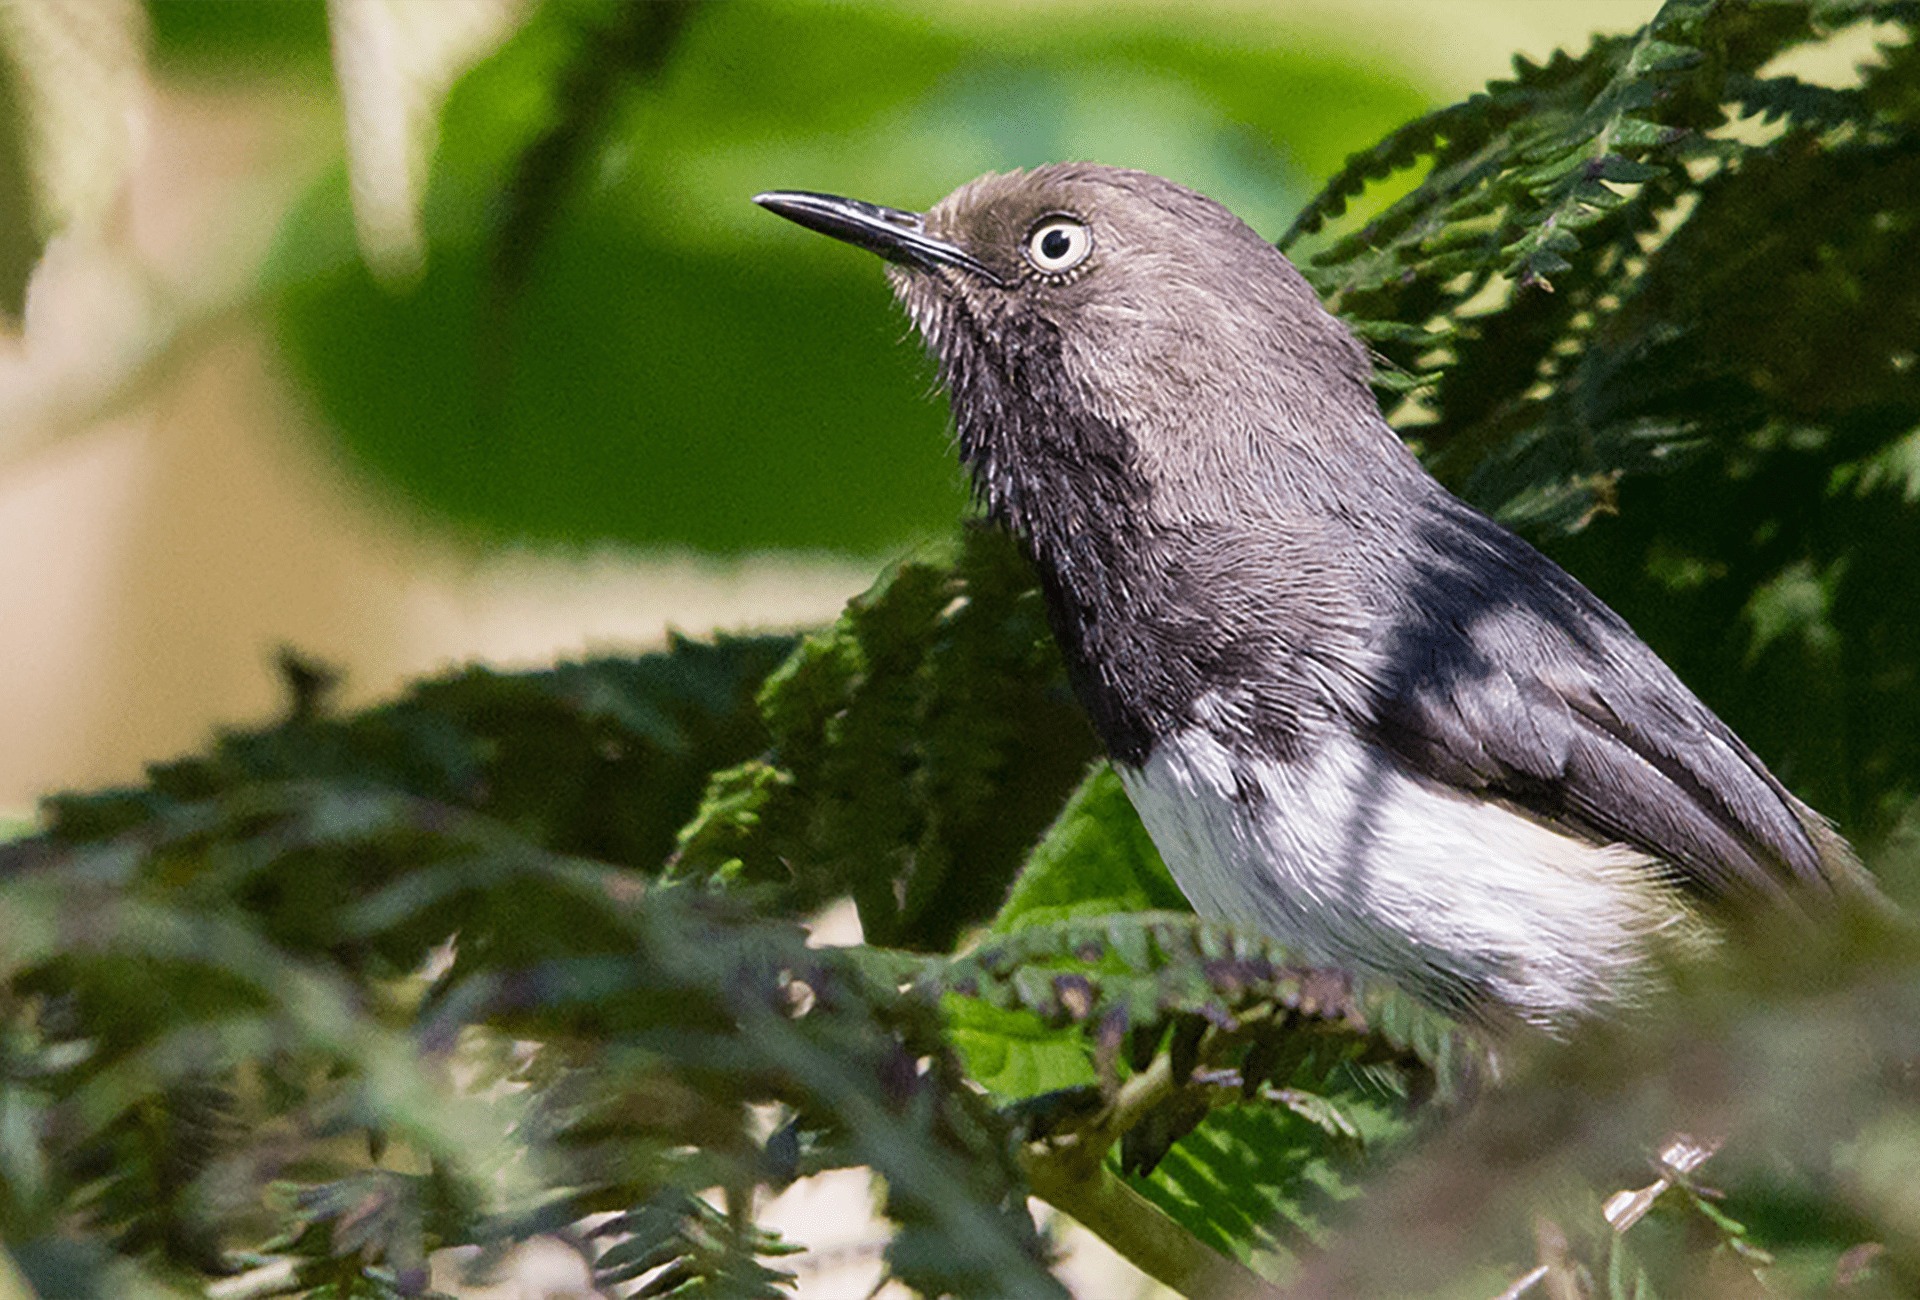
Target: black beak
[{"x": 897, "y": 236}]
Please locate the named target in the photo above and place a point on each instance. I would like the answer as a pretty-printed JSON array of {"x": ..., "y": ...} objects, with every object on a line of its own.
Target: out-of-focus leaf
[
  {"x": 320, "y": 1008},
  {"x": 19, "y": 242},
  {"x": 72, "y": 95},
  {"x": 693, "y": 1244},
  {"x": 662, "y": 1017},
  {"x": 395, "y": 60},
  {"x": 605, "y": 758},
  {"x": 284, "y": 38},
  {"x": 75, "y": 1269},
  {"x": 1792, "y": 1056}
]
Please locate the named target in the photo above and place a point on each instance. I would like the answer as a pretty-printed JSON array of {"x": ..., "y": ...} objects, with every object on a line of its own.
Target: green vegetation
[{"x": 523, "y": 954}]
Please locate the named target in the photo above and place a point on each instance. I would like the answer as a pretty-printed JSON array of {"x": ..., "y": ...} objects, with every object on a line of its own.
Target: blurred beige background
[{"x": 160, "y": 537}]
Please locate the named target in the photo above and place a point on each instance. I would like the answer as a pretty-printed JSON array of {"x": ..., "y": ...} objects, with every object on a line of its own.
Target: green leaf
[
  {"x": 1613, "y": 167},
  {"x": 1096, "y": 858},
  {"x": 20, "y": 227},
  {"x": 1634, "y": 133},
  {"x": 1661, "y": 56},
  {"x": 709, "y": 1253},
  {"x": 919, "y": 746},
  {"x": 605, "y": 757},
  {"x": 1013, "y": 1053},
  {"x": 1259, "y": 1183}
]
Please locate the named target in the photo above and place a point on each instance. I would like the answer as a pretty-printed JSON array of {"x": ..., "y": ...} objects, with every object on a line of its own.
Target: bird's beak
[{"x": 895, "y": 235}]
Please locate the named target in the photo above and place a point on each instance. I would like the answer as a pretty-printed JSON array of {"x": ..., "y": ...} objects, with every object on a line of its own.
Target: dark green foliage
[
  {"x": 605, "y": 758},
  {"x": 280, "y": 1036},
  {"x": 694, "y": 1248},
  {"x": 920, "y": 745},
  {"x": 1678, "y": 349}
]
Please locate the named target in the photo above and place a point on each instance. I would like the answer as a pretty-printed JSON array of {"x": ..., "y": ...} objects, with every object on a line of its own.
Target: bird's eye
[{"x": 1058, "y": 244}]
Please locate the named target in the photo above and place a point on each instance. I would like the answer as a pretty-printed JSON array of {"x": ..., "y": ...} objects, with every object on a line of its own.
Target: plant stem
[
  {"x": 1105, "y": 1206},
  {"x": 1069, "y": 1172}
]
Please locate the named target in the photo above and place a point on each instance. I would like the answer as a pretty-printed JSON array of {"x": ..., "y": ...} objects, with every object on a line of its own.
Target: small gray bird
[{"x": 1352, "y": 711}]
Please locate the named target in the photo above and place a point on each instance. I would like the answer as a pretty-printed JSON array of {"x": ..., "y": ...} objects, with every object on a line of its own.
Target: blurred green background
[{"x": 609, "y": 342}]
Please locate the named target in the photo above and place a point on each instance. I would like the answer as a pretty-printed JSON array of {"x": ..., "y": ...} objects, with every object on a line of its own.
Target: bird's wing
[{"x": 1507, "y": 676}]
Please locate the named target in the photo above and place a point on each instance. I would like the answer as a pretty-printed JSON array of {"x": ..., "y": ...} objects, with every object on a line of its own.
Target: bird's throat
[{"x": 1066, "y": 482}]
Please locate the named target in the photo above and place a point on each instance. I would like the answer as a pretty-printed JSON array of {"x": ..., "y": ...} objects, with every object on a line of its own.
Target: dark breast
[{"x": 1134, "y": 616}]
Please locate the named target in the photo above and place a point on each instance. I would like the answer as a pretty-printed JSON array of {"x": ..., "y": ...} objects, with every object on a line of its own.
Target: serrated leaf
[
  {"x": 1547, "y": 175},
  {"x": 1254, "y": 1182},
  {"x": 1613, "y": 167},
  {"x": 1661, "y": 56},
  {"x": 1095, "y": 859},
  {"x": 1012, "y": 1054},
  {"x": 930, "y": 727},
  {"x": 1596, "y": 194},
  {"x": 1636, "y": 133}
]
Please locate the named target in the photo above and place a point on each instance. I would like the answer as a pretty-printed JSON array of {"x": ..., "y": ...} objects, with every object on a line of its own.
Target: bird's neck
[{"x": 1067, "y": 483}]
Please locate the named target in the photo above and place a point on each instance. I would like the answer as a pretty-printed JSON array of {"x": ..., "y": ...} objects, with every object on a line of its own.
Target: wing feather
[{"x": 1504, "y": 674}]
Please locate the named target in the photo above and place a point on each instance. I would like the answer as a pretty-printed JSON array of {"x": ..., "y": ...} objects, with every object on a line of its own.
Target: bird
[{"x": 1352, "y": 711}]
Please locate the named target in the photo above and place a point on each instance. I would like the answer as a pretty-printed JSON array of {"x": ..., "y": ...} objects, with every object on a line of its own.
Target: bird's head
[{"x": 1076, "y": 295}]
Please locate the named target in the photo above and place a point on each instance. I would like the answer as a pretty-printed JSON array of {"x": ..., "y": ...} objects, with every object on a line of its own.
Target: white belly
[{"x": 1360, "y": 863}]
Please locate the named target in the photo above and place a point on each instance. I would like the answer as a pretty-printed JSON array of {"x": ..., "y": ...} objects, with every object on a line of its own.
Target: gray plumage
[{"x": 1350, "y": 708}]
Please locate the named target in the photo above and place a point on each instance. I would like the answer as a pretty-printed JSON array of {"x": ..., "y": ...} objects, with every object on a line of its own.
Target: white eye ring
[{"x": 1058, "y": 244}]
